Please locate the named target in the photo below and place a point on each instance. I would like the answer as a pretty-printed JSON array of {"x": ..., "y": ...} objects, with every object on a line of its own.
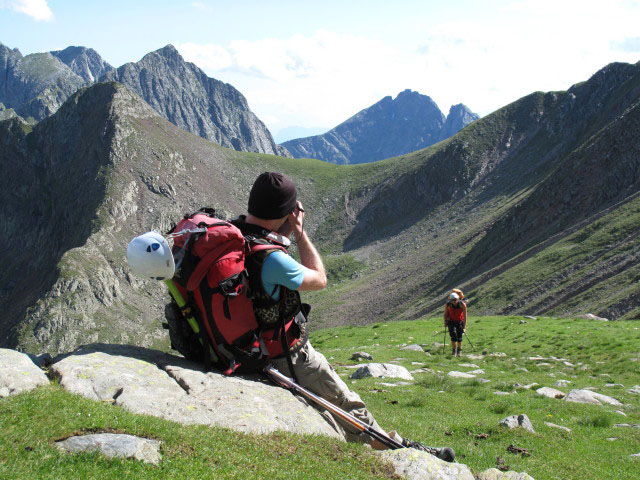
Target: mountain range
[
  {"x": 389, "y": 128},
  {"x": 533, "y": 209}
]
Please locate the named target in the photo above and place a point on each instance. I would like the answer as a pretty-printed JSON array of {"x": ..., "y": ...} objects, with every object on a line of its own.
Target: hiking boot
[
  {"x": 447, "y": 454},
  {"x": 459, "y": 352}
]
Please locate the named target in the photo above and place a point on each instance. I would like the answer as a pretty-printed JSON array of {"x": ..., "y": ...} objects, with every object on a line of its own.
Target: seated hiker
[
  {"x": 273, "y": 206},
  {"x": 455, "y": 319}
]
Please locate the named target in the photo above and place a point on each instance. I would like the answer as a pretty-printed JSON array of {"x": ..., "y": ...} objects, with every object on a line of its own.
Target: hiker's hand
[{"x": 296, "y": 219}]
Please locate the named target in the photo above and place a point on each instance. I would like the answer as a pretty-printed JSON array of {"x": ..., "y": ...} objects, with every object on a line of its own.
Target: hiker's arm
[{"x": 315, "y": 277}]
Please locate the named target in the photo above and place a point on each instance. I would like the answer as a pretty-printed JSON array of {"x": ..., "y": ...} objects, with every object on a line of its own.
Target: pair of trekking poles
[{"x": 444, "y": 341}]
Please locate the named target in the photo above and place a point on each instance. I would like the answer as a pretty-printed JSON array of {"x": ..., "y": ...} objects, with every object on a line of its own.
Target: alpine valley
[{"x": 533, "y": 209}]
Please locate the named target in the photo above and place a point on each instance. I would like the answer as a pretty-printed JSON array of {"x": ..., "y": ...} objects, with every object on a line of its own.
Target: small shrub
[
  {"x": 499, "y": 408},
  {"x": 600, "y": 421}
]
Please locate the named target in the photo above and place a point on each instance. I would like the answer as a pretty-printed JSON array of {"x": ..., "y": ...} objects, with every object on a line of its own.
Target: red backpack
[{"x": 211, "y": 277}]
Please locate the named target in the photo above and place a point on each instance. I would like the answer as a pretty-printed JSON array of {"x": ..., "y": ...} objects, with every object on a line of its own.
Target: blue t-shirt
[{"x": 280, "y": 269}]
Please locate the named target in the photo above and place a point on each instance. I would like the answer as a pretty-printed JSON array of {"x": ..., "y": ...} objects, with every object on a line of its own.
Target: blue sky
[{"x": 316, "y": 63}]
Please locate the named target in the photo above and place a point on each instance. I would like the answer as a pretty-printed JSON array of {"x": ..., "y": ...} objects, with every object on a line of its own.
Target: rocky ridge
[{"x": 389, "y": 128}]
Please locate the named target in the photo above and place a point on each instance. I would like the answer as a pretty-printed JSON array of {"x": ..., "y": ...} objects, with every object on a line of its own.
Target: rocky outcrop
[
  {"x": 387, "y": 129},
  {"x": 114, "y": 445},
  {"x": 18, "y": 373},
  {"x": 184, "y": 95}
]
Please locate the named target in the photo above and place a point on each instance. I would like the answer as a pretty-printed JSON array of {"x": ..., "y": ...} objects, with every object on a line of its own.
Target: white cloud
[
  {"x": 323, "y": 78},
  {"x": 37, "y": 9}
]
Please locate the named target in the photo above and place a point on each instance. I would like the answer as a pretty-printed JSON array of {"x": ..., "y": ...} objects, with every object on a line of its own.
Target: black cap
[{"x": 272, "y": 196}]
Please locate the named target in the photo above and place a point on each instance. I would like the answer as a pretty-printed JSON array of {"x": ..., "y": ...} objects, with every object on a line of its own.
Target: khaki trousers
[{"x": 316, "y": 374}]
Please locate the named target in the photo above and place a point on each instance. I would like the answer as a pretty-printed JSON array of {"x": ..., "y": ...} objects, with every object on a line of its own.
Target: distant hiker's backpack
[
  {"x": 213, "y": 283},
  {"x": 458, "y": 292}
]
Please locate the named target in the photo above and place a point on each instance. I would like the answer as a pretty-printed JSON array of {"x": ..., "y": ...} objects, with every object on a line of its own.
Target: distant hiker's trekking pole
[
  {"x": 446, "y": 454},
  {"x": 444, "y": 340},
  {"x": 473, "y": 349}
]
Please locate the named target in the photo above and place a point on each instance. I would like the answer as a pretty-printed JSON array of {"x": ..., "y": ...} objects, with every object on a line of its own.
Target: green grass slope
[{"x": 436, "y": 409}]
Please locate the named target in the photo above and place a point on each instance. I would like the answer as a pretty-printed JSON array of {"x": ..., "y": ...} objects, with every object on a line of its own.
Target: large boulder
[
  {"x": 550, "y": 392},
  {"x": 18, "y": 373},
  {"x": 151, "y": 382},
  {"x": 381, "y": 370},
  {"x": 587, "y": 396}
]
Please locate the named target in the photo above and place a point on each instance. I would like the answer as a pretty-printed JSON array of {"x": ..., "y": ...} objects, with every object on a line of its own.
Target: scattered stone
[
  {"x": 591, "y": 316},
  {"x": 18, "y": 373},
  {"x": 543, "y": 364},
  {"x": 417, "y": 363},
  {"x": 515, "y": 421},
  {"x": 563, "y": 383},
  {"x": 522, "y": 369},
  {"x": 482, "y": 380},
  {"x": 415, "y": 348},
  {"x": 361, "y": 356},
  {"x": 613, "y": 385},
  {"x": 587, "y": 396},
  {"x": 399, "y": 384},
  {"x": 381, "y": 370},
  {"x": 635, "y": 455},
  {"x": 422, "y": 370},
  {"x": 634, "y": 389},
  {"x": 114, "y": 445},
  {"x": 495, "y": 474},
  {"x": 530, "y": 317},
  {"x": 414, "y": 464},
  {"x": 627, "y": 425},
  {"x": 550, "y": 392},
  {"x": 477, "y": 372},
  {"x": 584, "y": 368},
  {"x": 501, "y": 393},
  {"x": 473, "y": 356},
  {"x": 553, "y": 425},
  {"x": 612, "y": 439},
  {"x": 530, "y": 385},
  {"x": 568, "y": 364},
  {"x": 468, "y": 365},
  {"x": 497, "y": 354},
  {"x": 621, "y": 413},
  {"x": 438, "y": 345},
  {"x": 460, "y": 374},
  {"x": 535, "y": 359}
]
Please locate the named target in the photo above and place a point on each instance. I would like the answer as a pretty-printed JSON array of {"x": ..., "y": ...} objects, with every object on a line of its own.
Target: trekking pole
[
  {"x": 444, "y": 340},
  {"x": 289, "y": 384},
  {"x": 473, "y": 349}
]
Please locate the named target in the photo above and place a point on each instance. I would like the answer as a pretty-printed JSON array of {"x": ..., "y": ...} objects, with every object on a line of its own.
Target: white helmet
[
  {"x": 149, "y": 256},
  {"x": 453, "y": 296}
]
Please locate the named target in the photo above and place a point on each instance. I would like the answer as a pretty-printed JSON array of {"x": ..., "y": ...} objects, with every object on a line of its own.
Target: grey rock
[
  {"x": 468, "y": 365},
  {"x": 18, "y": 373},
  {"x": 114, "y": 445},
  {"x": 613, "y": 385},
  {"x": 550, "y": 392},
  {"x": 389, "y": 128},
  {"x": 563, "y": 383},
  {"x": 150, "y": 382},
  {"x": 381, "y": 370},
  {"x": 612, "y": 439},
  {"x": 635, "y": 455},
  {"x": 634, "y": 389},
  {"x": 415, "y": 348},
  {"x": 482, "y": 380},
  {"x": 456, "y": 374},
  {"x": 522, "y": 322},
  {"x": 587, "y": 396},
  {"x": 591, "y": 316},
  {"x": 84, "y": 62},
  {"x": 495, "y": 474},
  {"x": 477, "y": 372},
  {"x": 530, "y": 317},
  {"x": 620, "y": 412},
  {"x": 627, "y": 425},
  {"x": 515, "y": 421},
  {"x": 361, "y": 356},
  {"x": 560, "y": 427},
  {"x": 413, "y": 464},
  {"x": 498, "y": 392}
]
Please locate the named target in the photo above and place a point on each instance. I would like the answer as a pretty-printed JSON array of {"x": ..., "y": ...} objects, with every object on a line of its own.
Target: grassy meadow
[{"x": 435, "y": 409}]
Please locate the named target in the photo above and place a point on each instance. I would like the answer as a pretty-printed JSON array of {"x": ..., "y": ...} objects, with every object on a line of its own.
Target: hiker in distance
[
  {"x": 273, "y": 206},
  {"x": 455, "y": 319}
]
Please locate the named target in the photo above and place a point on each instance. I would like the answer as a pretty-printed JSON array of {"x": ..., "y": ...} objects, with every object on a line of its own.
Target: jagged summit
[
  {"x": 85, "y": 62},
  {"x": 388, "y": 128},
  {"x": 183, "y": 94}
]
